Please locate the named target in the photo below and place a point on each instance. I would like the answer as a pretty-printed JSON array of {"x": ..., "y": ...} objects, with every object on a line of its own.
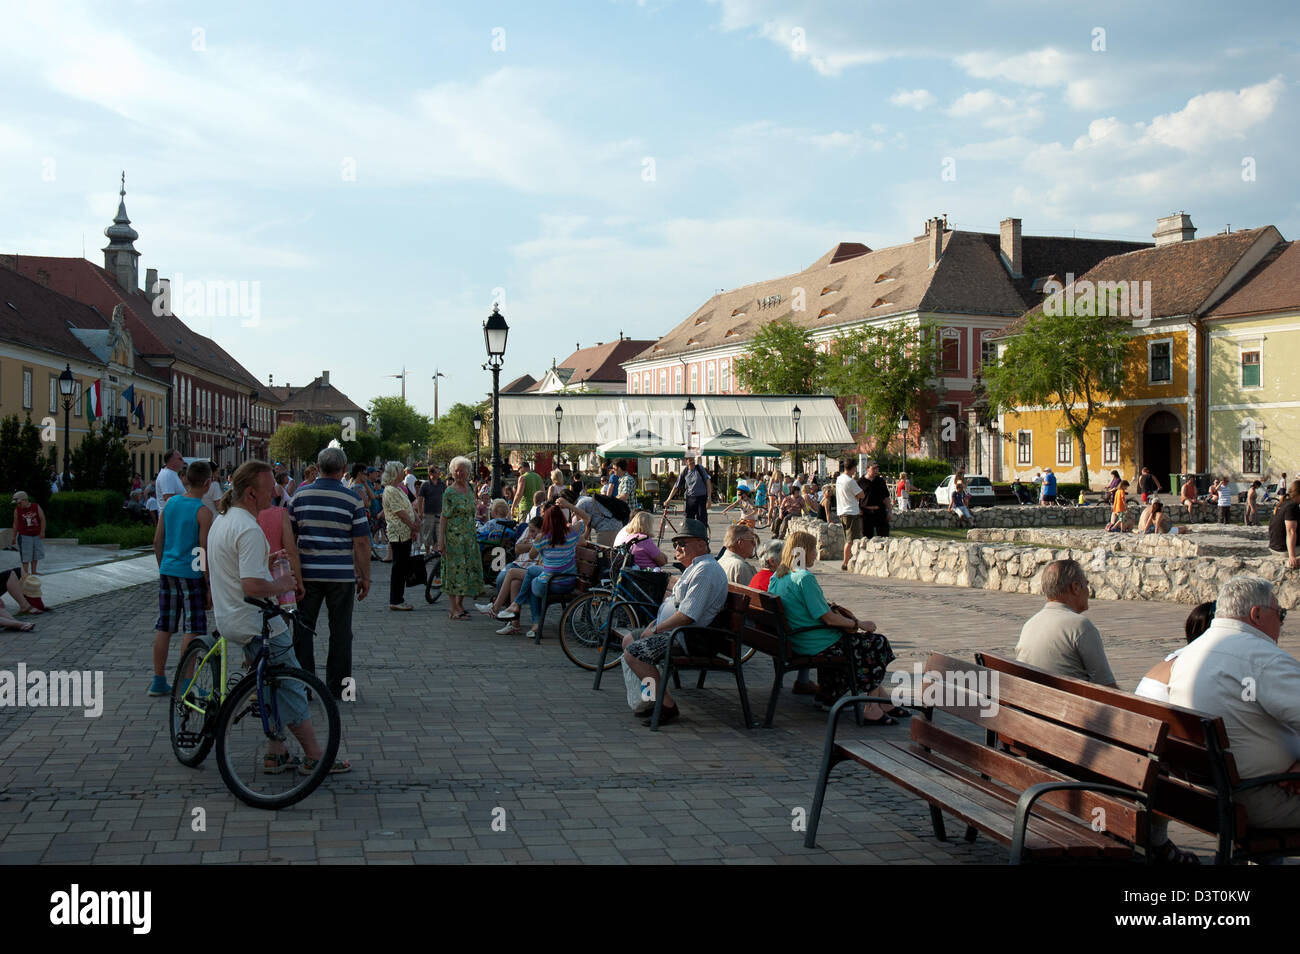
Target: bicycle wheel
[
  {"x": 244, "y": 748},
  {"x": 582, "y": 629},
  {"x": 194, "y": 708},
  {"x": 433, "y": 587}
]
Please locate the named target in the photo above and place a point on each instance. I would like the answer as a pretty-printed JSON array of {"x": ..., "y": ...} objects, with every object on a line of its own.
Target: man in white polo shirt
[
  {"x": 848, "y": 504},
  {"x": 169, "y": 483}
]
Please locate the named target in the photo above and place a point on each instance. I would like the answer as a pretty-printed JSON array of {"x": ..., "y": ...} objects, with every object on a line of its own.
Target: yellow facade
[
  {"x": 1254, "y": 425},
  {"x": 1147, "y": 425}
]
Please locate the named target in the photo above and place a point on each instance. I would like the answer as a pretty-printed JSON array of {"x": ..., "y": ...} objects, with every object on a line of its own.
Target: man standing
[
  {"x": 333, "y": 536},
  {"x": 740, "y": 542},
  {"x": 696, "y": 487},
  {"x": 169, "y": 483},
  {"x": 1284, "y": 526},
  {"x": 1148, "y": 486},
  {"x": 239, "y": 566},
  {"x": 875, "y": 503},
  {"x": 1059, "y": 638},
  {"x": 848, "y": 504},
  {"x": 528, "y": 484},
  {"x": 1049, "y": 488},
  {"x": 626, "y": 484},
  {"x": 1225, "y": 500},
  {"x": 430, "y": 505},
  {"x": 1237, "y": 671},
  {"x": 696, "y": 599}
]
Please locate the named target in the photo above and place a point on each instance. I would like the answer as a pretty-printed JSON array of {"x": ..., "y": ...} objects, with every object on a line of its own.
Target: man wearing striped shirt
[{"x": 333, "y": 536}]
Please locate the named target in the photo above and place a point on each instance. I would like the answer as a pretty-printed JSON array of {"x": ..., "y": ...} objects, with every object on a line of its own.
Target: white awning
[{"x": 528, "y": 420}]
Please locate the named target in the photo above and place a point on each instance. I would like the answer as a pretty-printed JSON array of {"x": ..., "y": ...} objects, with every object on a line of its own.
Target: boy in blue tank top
[{"x": 180, "y": 544}]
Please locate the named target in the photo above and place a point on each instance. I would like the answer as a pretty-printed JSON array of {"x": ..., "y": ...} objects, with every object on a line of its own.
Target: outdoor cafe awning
[{"x": 590, "y": 420}]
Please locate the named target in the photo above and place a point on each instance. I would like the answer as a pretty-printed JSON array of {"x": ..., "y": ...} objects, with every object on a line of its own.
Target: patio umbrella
[
  {"x": 732, "y": 443},
  {"x": 641, "y": 444}
]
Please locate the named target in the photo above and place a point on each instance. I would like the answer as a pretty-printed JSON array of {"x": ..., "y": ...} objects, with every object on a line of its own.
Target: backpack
[{"x": 618, "y": 509}]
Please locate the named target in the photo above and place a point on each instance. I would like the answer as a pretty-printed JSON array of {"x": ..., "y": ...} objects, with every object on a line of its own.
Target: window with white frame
[
  {"x": 636, "y": 384},
  {"x": 54, "y": 393},
  {"x": 695, "y": 379},
  {"x": 76, "y": 399},
  {"x": 27, "y": 388},
  {"x": 1252, "y": 455},
  {"x": 1024, "y": 447},
  {"x": 1064, "y": 447},
  {"x": 851, "y": 416},
  {"x": 1110, "y": 445},
  {"x": 724, "y": 376},
  {"x": 1251, "y": 367},
  {"x": 645, "y": 383},
  {"x": 712, "y": 375},
  {"x": 1160, "y": 361},
  {"x": 677, "y": 379},
  {"x": 663, "y": 381},
  {"x": 988, "y": 352},
  {"x": 950, "y": 351}
]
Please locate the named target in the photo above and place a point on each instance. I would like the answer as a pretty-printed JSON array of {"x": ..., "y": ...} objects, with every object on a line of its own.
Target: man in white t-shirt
[
  {"x": 409, "y": 481},
  {"x": 238, "y": 566},
  {"x": 169, "y": 483},
  {"x": 848, "y": 504}
]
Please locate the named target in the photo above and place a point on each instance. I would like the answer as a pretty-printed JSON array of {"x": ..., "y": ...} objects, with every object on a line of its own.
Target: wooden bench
[
  {"x": 1104, "y": 763},
  {"x": 1199, "y": 785},
  {"x": 766, "y": 629},
  {"x": 563, "y": 588},
  {"x": 716, "y": 647}
]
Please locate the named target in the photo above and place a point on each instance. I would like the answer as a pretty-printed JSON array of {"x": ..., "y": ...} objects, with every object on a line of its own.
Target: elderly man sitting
[
  {"x": 1237, "y": 671},
  {"x": 696, "y": 599},
  {"x": 1059, "y": 638},
  {"x": 741, "y": 542}
]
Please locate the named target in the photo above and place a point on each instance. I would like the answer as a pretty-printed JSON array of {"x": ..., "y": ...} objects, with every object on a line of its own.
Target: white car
[{"x": 979, "y": 488}]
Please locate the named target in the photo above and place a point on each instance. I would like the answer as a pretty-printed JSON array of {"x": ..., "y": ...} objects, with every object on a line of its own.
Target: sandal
[
  {"x": 459, "y": 617},
  {"x": 404, "y": 608},
  {"x": 22, "y": 628},
  {"x": 307, "y": 766},
  {"x": 284, "y": 762}
]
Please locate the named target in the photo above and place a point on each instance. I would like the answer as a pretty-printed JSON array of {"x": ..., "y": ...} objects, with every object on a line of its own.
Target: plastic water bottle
[{"x": 279, "y": 570}]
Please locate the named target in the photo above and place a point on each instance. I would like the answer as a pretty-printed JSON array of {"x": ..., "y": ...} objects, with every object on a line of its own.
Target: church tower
[{"x": 121, "y": 260}]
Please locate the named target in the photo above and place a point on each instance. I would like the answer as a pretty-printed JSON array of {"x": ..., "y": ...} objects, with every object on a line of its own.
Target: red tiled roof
[
  {"x": 33, "y": 315},
  {"x": 154, "y": 335},
  {"x": 1273, "y": 285},
  {"x": 603, "y": 362}
]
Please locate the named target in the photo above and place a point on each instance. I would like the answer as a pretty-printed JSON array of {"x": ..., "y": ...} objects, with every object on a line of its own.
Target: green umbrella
[
  {"x": 641, "y": 444},
  {"x": 732, "y": 443}
]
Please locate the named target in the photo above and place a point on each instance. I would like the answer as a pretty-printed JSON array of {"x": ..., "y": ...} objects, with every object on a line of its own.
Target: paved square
[{"x": 456, "y": 728}]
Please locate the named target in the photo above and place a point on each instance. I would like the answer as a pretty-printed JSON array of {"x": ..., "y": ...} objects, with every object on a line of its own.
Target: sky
[{"x": 377, "y": 175}]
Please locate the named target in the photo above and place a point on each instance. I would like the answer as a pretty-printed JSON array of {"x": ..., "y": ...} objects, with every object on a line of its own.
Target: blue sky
[{"x": 772, "y": 131}]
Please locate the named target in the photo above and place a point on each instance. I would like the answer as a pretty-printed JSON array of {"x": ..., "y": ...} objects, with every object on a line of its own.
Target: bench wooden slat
[{"x": 1123, "y": 820}]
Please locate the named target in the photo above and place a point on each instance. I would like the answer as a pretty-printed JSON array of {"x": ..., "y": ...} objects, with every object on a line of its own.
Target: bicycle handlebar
[{"x": 270, "y": 607}]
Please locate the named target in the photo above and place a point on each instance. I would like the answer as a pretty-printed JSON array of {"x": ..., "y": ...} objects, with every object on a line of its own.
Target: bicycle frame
[{"x": 217, "y": 647}]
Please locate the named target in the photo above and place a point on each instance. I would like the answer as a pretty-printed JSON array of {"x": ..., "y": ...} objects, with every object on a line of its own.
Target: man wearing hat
[
  {"x": 1049, "y": 487},
  {"x": 696, "y": 598},
  {"x": 29, "y": 531},
  {"x": 696, "y": 486}
]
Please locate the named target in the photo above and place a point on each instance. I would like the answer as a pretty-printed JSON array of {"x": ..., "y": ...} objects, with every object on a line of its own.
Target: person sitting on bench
[{"x": 1059, "y": 638}]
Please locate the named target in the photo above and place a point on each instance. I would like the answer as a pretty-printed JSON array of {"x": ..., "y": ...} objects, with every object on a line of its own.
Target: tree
[
  {"x": 1071, "y": 363},
  {"x": 399, "y": 423},
  {"x": 100, "y": 461},
  {"x": 23, "y": 463},
  {"x": 299, "y": 442},
  {"x": 889, "y": 368},
  {"x": 781, "y": 359}
]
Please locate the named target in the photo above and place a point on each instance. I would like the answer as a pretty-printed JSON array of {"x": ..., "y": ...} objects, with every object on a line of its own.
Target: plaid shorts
[{"x": 179, "y": 595}]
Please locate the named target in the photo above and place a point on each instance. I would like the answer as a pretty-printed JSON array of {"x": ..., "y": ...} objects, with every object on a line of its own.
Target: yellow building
[
  {"x": 1254, "y": 390},
  {"x": 1160, "y": 418},
  {"x": 42, "y": 333}
]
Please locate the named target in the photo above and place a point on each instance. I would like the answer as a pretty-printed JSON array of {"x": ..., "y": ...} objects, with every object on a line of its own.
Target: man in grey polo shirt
[
  {"x": 697, "y": 487},
  {"x": 696, "y": 599},
  {"x": 1059, "y": 638}
]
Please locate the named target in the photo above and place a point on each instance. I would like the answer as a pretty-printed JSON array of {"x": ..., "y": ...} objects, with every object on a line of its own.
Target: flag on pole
[
  {"x": 94, "y": 402},
  {"x": 139, "y": 413},
  {"x": 129, "y": 396}
]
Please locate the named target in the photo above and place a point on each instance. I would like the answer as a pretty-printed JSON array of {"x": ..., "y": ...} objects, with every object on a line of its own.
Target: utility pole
[
  {"x": 403, "y": 377},
  {"x": 436, "y": 375}
]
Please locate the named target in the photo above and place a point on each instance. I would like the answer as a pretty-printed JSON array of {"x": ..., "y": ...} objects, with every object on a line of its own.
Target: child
[
  {"x": 180, "y": 545},
  {"x": 29, "y": 531}
]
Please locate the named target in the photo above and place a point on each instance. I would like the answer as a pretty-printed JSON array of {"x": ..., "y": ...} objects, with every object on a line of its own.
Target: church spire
[{"x": 120, "y": 257}]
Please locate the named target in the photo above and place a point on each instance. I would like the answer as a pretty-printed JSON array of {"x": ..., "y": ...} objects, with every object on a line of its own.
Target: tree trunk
[{"x": 1083, "y": 458}]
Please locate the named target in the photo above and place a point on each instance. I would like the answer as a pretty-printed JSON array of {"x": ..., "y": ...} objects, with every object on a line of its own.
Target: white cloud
[
  {"x": 997, "y": 111},
  {"x": 1215, "y": 116},
  {"x": 914, "y": 98},
  {"x": 1045, "y": 67}
]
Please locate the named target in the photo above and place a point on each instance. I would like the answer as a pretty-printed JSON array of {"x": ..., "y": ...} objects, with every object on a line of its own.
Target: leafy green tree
[
  {"x": 23, "y": 463},
  {"x": 298, "y": 443},
  {"x": 781, "y": 359},
  {"x": 1070, "y": 363},
  {"x": 452, "y": 434},
  {"x": 100, "y": 461},
  {"x": 399, "y": 423},
  {"x": 888, "y": 368}
]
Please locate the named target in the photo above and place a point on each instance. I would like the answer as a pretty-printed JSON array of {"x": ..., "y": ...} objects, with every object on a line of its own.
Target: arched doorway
[{"x": 1162, "y": 446}]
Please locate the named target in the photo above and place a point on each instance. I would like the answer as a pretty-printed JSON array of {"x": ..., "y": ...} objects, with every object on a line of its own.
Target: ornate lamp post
[
  {"x": 903, "y": 424},
  {"x": 477, "y": 421},
  {"x": 794, "y": 416},
  {"x": 559, "y": 416},
  {"x": 67, "y": 384},
  {"x": 495, "y": 332},
  {"x": 243, "y": 431},
  {"x": 688, "y": 415}
]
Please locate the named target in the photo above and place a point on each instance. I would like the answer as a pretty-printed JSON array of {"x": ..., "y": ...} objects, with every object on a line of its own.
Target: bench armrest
[
  {"x": 832, "y": 725},
  {"x": 726, "y": 635},
  {"x": 1032, "y": 794}
]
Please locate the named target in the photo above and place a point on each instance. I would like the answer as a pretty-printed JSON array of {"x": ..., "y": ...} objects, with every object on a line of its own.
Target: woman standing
[
  {"x": 462, "y": 568},
  {"x": 401, "y": 524}
]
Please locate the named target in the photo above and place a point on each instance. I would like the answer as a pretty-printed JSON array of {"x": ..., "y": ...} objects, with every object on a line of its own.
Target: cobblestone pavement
[{"x": 453, "y": 723}]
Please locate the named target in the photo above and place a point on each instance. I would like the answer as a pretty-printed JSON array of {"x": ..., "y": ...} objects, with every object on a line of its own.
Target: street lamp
[
  {"x": 559, "y": 416},
  {"x": 688, "y": 415},
  {"x": 794, "y": 416},
  {"x": 903, "y": 424},
  {"x": 477, "y": 421},
  {"x": 67, "y": 384},
  {"x": 243, "y": 431},
  {"x": 495, "y": 331}
]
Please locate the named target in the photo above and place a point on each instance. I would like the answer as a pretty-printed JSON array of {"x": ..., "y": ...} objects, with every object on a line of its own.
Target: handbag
[{"x": 416, "y": 575}]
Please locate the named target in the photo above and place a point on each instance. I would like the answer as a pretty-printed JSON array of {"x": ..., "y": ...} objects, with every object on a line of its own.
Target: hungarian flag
[{"x": 94, "y": 402}]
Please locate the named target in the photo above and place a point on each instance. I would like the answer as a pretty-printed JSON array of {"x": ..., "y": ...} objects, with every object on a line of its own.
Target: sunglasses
[{"x": 1281, "y": 613}]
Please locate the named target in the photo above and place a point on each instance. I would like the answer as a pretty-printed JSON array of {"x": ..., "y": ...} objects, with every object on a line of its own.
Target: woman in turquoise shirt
[{"x": 805, "y": 608}]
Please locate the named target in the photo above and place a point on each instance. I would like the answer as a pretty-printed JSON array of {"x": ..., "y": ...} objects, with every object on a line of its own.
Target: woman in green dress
[{"x": 462, "y": 567}]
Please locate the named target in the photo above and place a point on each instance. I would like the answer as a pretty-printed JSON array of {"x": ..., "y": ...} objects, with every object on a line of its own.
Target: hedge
[
  {"x": 71, "y": 510},
  {"x": 127, "y": 536}
]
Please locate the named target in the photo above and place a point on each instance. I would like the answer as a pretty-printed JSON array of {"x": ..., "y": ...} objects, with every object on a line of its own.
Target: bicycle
[
  {"x": 242, "y": 716},
  {"x": 665, "y": 521}
]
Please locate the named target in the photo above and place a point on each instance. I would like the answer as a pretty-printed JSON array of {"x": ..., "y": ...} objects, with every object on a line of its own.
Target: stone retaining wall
[
  {"x": 1018, "y": 569},
  {"x": 1198, "y": 540}
]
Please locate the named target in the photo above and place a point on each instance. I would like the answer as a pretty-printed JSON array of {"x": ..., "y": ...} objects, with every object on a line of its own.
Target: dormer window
[
  {"x": 826, "y": 313},
  {"x": 881, "y": 301}
]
